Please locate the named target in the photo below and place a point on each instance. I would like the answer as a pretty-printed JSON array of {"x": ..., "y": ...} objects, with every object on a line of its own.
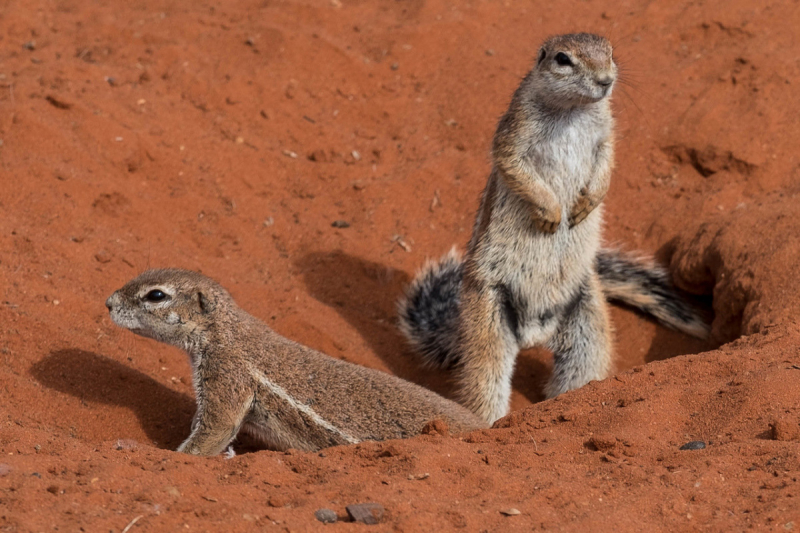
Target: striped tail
[
  {"x": 645, "y": 286},
  {"x": 429, "y": 311}
]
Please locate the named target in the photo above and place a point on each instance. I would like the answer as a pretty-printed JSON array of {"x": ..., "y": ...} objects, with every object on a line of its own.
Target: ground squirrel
[
  {"x": 247, "y": 377},
  {"x": 534, "y": 273}
]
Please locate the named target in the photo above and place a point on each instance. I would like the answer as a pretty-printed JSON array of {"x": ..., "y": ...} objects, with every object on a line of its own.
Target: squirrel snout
[
  {"x": 605, "y": 81},
  {"x": 112, "y": 301}
]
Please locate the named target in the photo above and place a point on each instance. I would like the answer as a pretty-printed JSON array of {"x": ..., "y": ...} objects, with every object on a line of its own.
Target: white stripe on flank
[{"x": 278, "y": 391}]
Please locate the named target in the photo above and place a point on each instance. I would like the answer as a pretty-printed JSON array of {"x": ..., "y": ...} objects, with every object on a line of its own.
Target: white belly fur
[{"x": 544, "y": 270}]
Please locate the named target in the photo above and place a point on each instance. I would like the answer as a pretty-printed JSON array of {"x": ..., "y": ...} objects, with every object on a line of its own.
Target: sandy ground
[{"x": 227, "y": 137}]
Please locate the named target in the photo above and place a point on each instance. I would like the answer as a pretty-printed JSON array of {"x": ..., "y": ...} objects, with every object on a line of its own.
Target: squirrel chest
[{"x": 564, "y": 152}]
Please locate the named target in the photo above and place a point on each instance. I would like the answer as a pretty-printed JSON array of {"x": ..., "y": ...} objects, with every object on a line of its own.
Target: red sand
[{"x": 227, "y": 137}]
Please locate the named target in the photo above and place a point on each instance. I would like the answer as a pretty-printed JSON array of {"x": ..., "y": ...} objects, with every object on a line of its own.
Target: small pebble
[
  {"x": 603, "y": 442},
  {"x": 436, "y": 427},
  {"x": 694, "y": 445},
  {"x": 366, "y": 513},
  {"x": 326, "y": 516},
  {"x": 126, "y": 444},
  {"x": 278, "y": 501},
  {"x": 510, "y": 512},
  {"x": 785, "y": 429},
  {"x": 340, "y": 224}
]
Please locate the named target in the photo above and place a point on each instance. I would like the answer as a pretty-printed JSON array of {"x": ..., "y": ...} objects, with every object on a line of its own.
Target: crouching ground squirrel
[
  {"x": 534, "y": 273},
  {"x": 247, "y": 377}
]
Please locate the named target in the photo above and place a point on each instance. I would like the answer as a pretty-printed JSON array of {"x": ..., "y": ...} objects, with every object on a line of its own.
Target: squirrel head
[
  {"x": 178, "y": 307},
  {"x": 574, "y": 70}
]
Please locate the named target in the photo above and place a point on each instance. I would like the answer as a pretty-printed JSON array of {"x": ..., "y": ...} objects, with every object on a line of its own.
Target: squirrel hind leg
[
  {"x": 488, "y": 349},
  {"x": 581, "y": 345},
  {"x": 428, "y": 313},
  {"x": 640, "y": 284}
]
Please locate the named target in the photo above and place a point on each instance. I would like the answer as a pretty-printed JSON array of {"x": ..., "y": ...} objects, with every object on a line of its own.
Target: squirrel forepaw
[
  {"x": 583, "y": 206},
  {"x": 547, "y": 226},
  {"x": 547, "y": 222}
]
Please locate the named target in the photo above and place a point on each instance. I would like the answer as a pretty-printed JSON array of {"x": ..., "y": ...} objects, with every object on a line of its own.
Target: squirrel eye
[
  {"x": 563, "y": 59},
  {"x": 155, "y": 296}
]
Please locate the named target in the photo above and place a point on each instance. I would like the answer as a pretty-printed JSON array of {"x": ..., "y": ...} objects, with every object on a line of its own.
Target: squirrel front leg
[
  {"x": 215, "y": 424},
  {"x": 523, "y": 180},
  {"x": 595, "y": 191}
]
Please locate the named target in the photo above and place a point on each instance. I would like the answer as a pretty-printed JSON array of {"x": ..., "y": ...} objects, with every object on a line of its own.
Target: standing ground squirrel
[
  {"x": 534, "y": 273},
  {"x": 248, "y": 377}
]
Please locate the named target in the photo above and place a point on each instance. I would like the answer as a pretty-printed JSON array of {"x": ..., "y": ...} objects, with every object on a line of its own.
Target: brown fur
[
  {"x": 528, "y": 274},
  {"x": 534, "y": 273},
  {"x": 247, "y": 377}
]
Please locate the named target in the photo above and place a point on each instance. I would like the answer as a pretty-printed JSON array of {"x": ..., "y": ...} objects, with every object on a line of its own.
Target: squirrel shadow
[
  {"x": 164, "y": 415},
  {"x": 668, "y": 343},
  {"x": 365, "y": 294}
]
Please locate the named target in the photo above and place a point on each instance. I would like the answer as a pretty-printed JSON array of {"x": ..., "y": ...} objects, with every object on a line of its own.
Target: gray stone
[
  {"x": 326, "y": 516},
  {"x": 366, "y": 513}
]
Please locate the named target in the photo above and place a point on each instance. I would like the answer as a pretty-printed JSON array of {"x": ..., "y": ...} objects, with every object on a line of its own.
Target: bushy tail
[
  {"x": 645, "y": 286},
  {"x": 429, "y": 310}
]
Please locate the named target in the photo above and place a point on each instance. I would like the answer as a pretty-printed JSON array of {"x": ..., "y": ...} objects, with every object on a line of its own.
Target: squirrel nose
[
  {"x": 113, "y": 299},
  {"x": 606, "y": 81}
]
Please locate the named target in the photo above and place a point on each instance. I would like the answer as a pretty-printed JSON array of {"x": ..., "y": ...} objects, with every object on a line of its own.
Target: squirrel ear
[
  {"x": 207, "y": 304},
  {"x": 542, "y": 55}
]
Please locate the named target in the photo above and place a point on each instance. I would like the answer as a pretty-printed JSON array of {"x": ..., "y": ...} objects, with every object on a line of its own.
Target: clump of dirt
[
  {"x": 310, "y": 156},
  {"x": 748, "y": 260}
]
